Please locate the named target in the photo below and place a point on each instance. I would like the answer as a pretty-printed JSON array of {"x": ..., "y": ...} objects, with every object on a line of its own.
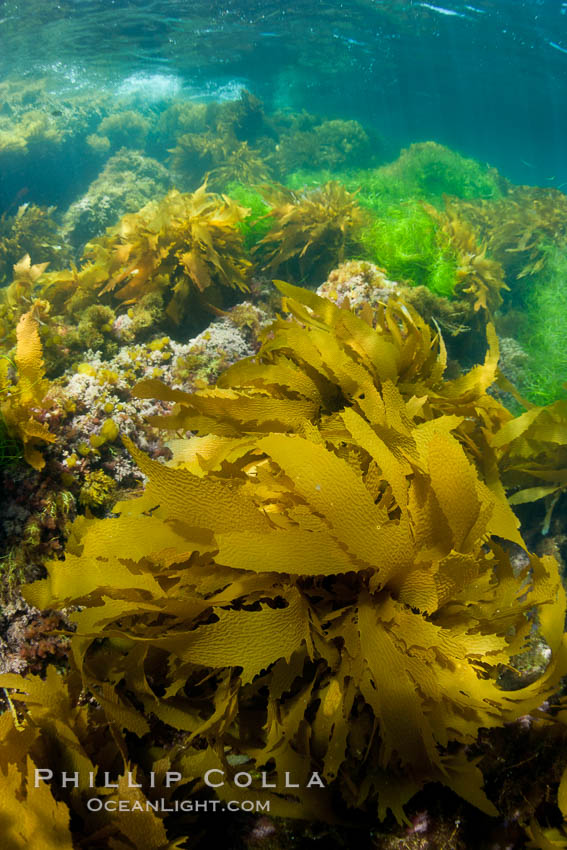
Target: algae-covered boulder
[{"x": 127, "y": 182}]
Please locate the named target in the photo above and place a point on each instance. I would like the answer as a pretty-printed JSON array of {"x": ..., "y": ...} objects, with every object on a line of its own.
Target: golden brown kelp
[
  {"x": 179, "y": 247},
  {"x": 32, "y": 131},
  {"x": 190, "y": 240},
  {"x": 196, "y": 154},
  {"x": 329, "y": 145},
  {"x": 311, "y": 230},
  {"x": 532, "y": 456},
  {"x": 516, "y": 228},
  {"x": 231, "y": 141},
  {"x": 479, "y": 280},
  {"x": 16, "y": 298},
  {"x": 32, "y": 230},
  {"x": 20, "y": 401},
  {"x": 122, "y": 129},
  {"x": 411, "y": 355},
  {"x": 320, "y": 579},
  {"x": 49, "y": 729},
  {"x": 243, "y": 164}
]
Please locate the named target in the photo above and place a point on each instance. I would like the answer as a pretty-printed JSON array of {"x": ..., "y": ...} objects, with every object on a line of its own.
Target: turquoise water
[
  {"x": 316, "y": 528},
  {"x": 487, "y": 78}
]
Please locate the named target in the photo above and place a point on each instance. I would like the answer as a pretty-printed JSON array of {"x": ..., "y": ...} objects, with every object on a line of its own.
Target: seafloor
[{"x": 283, "y": 460}]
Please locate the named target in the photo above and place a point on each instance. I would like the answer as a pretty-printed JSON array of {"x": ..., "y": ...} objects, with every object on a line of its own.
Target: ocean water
[
  {"x": 283, "y": 424},
  {"x": 486, "y": 78}
]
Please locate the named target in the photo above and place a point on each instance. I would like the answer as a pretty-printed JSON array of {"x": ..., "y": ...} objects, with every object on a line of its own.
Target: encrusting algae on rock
[{"x": 320, "y": 579}]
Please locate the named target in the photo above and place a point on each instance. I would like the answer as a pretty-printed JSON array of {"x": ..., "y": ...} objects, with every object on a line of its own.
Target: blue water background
[{"x": 488, "y": 78}]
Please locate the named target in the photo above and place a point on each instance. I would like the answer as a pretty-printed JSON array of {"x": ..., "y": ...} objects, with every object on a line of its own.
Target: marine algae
[
  {"x": 320, "y": 578},
  {"x": 479, "y": 279},
  {"x": 541, "y": 330},
  {"x": 178, "y": 248},
  {"x": 34, "y": 231},
  {"x": 48, "y": 725},
  {"x": 517, "y": 227},
  {"x": 428, "y": 170},
  {"x": 311, "y": 231},
  {"x": 19, "y": 401},
  {"x": 185, "y": 242},
  {"x": 16, "y": 298},
  {"x": 532, "y": 456},
  {"x": 411, "y": 245}
]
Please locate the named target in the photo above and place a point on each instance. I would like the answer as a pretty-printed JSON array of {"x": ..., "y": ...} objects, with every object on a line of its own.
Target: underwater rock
[
  {"x": 34, "y": 130},
  {"x": 223, "y": 343},
  {"x": 34, "y": 118},
  {"x": 35, "y": 511},
  {"x": 100, "y": 407},
  {"x": 126, "y": 183},
  {"x": 328, "y": 145},
  {"x": 27, "y": 642},
  {"x": 180, "y": 118},
  {"x": 32, "y": 231},
  {"x": 125, "y": 128},
  {"x": 359, "y": 283},
  {"x": 513, "y": 358},
  {"x": 527, "y": 667},
  {"x": 514, "y": 362}
]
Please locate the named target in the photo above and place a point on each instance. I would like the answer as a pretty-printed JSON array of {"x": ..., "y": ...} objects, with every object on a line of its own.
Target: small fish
[
  {"x": 557, "y": 46},
  {"x": 442, "y": 11}
]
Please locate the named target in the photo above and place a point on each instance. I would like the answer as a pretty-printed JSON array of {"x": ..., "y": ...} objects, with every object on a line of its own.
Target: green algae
[
  {"x": 402, "y": 236},
  {"x": 428, "y": 170},
  {"x": 542, "y": 331},
  {"x": 425, "y": 170},
  {"x": 257, "y": 223},
  {"x": 408, "y": 243}
]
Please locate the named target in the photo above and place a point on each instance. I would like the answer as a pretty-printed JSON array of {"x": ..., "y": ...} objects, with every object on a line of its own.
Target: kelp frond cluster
[
  {"x": 16, "y": 298},
  {"x": 20, "y": 400},
  {"x": 517, "y": 226},
  {"x": 311, "y": 231},
  {"x": 48, "y": 723},
  {"x": 320, "y": 579},
  {"x": 183, "y": 243},
  {"x": 181, "y": 246},
  {"x": 479, "y": 279},
  {"x": 31, "y": 230},
  {"x": 532, "y": 456}
]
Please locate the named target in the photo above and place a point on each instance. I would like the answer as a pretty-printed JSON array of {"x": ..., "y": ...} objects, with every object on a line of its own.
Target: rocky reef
[{"x": 267, "y": 528}]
